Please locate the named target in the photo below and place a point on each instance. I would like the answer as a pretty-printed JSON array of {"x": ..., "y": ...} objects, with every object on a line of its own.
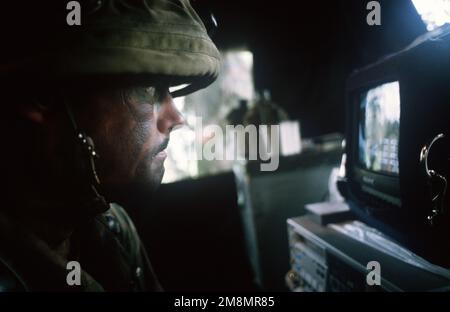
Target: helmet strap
[{"x": 97, "y": 203}]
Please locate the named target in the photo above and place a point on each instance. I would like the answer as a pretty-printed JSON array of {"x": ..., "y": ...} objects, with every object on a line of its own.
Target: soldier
[{"x": 87, "y": 115}]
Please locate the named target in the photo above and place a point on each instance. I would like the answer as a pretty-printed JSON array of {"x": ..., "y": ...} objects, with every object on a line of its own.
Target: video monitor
[{"x": 379, "y": 127}]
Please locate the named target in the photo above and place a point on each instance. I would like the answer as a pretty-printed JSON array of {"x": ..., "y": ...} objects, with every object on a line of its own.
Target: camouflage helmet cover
[{"x": 142, "y": 38}]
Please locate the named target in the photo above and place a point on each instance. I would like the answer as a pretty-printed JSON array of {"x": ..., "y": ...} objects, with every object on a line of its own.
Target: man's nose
[{"x": 168, "y": 116}]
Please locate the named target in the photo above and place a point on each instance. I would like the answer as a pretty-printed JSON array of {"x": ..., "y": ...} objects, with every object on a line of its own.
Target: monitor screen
[{"x": 379, "y": 127}]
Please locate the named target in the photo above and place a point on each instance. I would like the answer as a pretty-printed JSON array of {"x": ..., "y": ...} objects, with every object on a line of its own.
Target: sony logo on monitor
[{"x": 368, "y": 180}]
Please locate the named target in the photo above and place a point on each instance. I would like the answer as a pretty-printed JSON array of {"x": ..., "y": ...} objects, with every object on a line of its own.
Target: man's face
[{"x": 130, "y": 128}]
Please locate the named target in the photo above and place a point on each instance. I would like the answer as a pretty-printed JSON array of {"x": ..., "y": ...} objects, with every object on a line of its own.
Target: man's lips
[
  {"x": 160, "y": 151},
  {"x": 162, "y": 154}
]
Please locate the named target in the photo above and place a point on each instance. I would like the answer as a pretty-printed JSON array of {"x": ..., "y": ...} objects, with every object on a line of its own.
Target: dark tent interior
[
  {"x": 309, "y": 145},
  {"x": 303, "y": 53},
  {"x": 228, "y": 231}
]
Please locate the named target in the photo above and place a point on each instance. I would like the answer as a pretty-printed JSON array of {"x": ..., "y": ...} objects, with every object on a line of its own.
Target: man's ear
[{"x": 34, "y": 111}]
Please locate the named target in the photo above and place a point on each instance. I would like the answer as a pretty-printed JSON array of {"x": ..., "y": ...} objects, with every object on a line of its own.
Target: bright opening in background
[{"x": 434, "y": 13}]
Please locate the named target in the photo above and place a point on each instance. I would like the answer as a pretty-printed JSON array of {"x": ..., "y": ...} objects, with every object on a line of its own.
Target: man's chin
[{"x": 140, "y": 190}]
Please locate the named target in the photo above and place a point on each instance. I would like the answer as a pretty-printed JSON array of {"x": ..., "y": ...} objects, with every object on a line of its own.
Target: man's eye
[
  {"x": 151, "y": 93},
  {"x": 144, "y": 100},
  {"x": 141, "y": 101},
  {"x": 144, "y": 95}
]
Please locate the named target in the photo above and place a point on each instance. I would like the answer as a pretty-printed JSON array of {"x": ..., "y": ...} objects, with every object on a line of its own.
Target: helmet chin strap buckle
[
  {"x": 90, "y": 155},
  {"x": 88, "y": 147}
]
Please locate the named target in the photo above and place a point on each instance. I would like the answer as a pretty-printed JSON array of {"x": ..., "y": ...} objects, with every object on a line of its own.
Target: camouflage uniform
[{"x": 108, "y": 249}]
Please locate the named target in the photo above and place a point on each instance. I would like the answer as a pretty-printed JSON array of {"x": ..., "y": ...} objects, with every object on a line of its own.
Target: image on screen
[{"x": 379, "y": 125}]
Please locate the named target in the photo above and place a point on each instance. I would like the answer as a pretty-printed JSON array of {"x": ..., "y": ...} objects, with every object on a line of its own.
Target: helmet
[{"x": 137, "y": 39}]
